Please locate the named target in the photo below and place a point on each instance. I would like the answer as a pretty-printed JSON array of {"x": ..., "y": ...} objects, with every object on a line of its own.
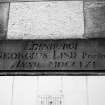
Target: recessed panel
[
  {"x": 51, "y": 55},
  {"x": 46, "y": 20}
]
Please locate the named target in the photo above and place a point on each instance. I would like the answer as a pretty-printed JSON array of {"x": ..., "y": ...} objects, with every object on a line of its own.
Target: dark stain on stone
[
  {"x": 3, "y": 19},
  {"x": 2, "y": 32},
  {"x": 95, "y": 20}
]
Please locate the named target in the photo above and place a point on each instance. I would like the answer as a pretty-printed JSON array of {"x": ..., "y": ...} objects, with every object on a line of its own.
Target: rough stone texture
[
  {"x": 4, "y": 0},
  {"x": 3, "y": 19},
  {"x": 95, "y": 19},
  {"x": 40, "y": 0},
  {"x": 46, "y": 20},
  {"x": 93, "y": 0}
]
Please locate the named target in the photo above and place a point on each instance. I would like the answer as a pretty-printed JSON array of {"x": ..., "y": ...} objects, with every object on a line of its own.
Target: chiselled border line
[
  {"x": 52, "y": 73},
  {"x": 40, "y": 0},
  {"x": 11, "y": 1},
  {"x": 8, "y": 19},
  {"x": 84, "y": 17}
]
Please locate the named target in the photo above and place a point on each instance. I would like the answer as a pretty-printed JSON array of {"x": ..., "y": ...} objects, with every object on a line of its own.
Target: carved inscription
[
  {"x": 50, "y": 100},
  {"x": 52, "y": 55}
]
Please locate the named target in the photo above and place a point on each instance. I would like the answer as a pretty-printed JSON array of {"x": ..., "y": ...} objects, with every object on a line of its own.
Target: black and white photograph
[{"x": 52, "y": 52}]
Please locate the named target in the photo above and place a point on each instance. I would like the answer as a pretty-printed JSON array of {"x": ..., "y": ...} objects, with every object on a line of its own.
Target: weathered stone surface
[
  {"x": 4, "y": 0},
  {"x": 95, "y": 18},
  {"x": 53, "y": 55},
  {"x": 4, "y": 9},
  {"x": 46, "y": 20},
  {"x": 92, "y": 0},
  {"x": 40, "y": 0}
]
